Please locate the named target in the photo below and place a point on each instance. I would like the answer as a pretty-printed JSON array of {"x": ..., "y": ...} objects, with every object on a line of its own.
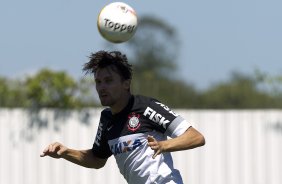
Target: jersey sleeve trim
[{"x": 177, "y": 127}]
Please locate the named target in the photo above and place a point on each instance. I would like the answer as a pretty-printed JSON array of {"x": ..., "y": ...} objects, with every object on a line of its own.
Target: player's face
[{"x": 110, "y": 87}]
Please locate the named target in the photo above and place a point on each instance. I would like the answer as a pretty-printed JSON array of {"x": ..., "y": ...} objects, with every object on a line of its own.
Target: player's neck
[{"x": 121, "y": 104}]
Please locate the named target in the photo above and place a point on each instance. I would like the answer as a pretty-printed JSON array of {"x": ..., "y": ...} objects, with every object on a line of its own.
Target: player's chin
[{"x": 105, "y": 102}]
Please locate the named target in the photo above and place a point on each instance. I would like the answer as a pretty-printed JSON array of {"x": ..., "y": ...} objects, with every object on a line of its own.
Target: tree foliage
[
  {"x": 51, "y": 89},
  {"x": 47, "y": 88},
  {"x": 11, "y": 93},
  {"x": 155, "y": 48},
  {"x": 240, "y": 92}
]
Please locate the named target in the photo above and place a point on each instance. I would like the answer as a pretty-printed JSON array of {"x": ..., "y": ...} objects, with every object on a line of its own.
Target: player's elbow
[
  {"x": 98, "y": 163},
  {"x": 197, "y": 138},
  {"x": 95, "y": 165},
  {"x": 201, "y": 140}
]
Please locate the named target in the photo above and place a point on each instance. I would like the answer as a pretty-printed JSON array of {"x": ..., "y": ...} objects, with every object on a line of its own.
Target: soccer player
[{"x": 134, "y": 128}]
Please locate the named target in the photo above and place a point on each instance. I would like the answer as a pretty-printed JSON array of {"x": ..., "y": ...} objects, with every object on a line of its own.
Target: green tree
[
  {"x": 54, "y": 89},
  {"x": 240, "y": 92},
  {"x": 270, "y": 83},
  {"x": 4, "y": 91},
  {"x": 11, "y": 93},
  {"x": 155, "y": 48}
]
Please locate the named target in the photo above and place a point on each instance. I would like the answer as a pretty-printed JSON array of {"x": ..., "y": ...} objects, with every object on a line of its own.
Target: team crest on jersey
[{"x": 133, "y": 122}]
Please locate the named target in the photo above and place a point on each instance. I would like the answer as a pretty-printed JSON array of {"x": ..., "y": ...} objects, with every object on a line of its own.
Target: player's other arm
[
  {"x": 190, "y": 139},
  {"x": 84, "y": 158}
]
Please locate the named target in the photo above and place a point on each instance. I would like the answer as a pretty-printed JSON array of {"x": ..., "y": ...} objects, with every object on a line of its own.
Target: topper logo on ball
[
  {"x": 117, "y": 26},
  {"x": 117, "y": 22}
]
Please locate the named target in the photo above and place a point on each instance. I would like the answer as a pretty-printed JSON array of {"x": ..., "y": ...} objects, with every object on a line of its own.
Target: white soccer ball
[{"x": 117, "y": 22}]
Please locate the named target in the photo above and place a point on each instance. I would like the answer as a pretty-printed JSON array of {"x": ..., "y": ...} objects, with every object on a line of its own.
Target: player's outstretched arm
[
  {"x": 83, "y": 158},
  {"x": 190, "y": 139}
]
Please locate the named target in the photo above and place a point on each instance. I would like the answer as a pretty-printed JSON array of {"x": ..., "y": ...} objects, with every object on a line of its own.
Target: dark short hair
[{"x": 102, "y": 59}]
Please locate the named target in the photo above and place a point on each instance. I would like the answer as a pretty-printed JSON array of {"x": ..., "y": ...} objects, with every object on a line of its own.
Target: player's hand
[
  {"x": 54, "y": 150},
  {"x": 155, "y": 145}
]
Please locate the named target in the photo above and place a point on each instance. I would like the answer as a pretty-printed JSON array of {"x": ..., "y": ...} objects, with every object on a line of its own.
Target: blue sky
[{"x": 217, "y": 37}]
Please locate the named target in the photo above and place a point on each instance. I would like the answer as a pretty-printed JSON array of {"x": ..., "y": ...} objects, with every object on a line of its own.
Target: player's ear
[{"x": 126, "y": 84}]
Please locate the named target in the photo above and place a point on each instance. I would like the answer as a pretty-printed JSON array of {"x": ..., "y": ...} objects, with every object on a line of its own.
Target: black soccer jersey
[{"x": 124, "y": 135}]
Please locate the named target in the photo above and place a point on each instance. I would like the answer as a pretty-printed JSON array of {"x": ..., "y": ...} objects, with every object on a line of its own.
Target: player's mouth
[{"x": 103, "y": 95}]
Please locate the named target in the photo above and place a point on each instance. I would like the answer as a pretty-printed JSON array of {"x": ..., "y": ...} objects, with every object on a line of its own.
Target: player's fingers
[
  {"x": 42, "y": 155},
  {"x": 61, "y": 152},
  {"x": 55, "y": 146},
  {"x": 151, "y": 138},
  {"x": 152, "y": 144},
  {"x": 50, "y": 148},
  {"x": 156, "y": 154},
  {"x": 155, "y": 148},
  {"x": 45, "y": 151}
]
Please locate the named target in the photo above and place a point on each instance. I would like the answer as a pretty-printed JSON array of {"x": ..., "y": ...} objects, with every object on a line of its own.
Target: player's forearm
[
  {"x": 189, "y": 140},
  {"x": 83, "y": 158}
]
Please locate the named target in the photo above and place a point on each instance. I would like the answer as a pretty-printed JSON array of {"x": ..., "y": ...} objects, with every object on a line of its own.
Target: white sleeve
[{"x": 177, "y": 127}]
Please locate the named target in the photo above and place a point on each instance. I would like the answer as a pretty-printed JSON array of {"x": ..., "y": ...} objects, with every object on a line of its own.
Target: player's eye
[
  {"x": 108, "y": 80},
  {"x": 97, "y": 81}
]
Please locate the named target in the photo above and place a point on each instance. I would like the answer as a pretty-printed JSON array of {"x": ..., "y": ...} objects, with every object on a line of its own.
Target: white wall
[{"x": 242, "y": 147}]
